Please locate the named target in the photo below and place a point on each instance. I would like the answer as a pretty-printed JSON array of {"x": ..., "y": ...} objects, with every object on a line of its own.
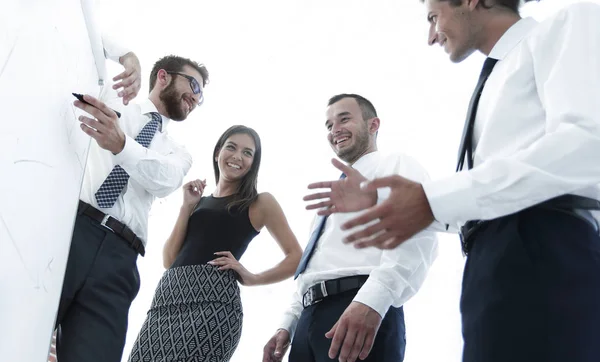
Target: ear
[
  {"x": 216, "y": 155},
  {"x": 163, "y": 78},
  {"x": 472, "y": 4},
  {"x": 374, "y": 125}
]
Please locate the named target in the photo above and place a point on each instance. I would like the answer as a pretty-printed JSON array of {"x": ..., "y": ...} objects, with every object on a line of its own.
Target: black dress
[{"x": 196, "y": 313}]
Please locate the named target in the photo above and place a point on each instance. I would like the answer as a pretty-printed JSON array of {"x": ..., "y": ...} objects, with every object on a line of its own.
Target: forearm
[
  {"x": 159, "y": 174},
  {"x": 175, "y": 241},
  {"x": 401, "y": 273},
  {"x": 112, "y": 49},
  {"x": 281, "y": 271}
]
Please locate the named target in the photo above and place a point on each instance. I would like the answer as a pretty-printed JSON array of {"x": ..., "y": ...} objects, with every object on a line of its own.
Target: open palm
[{"x": 344, "y": 195}]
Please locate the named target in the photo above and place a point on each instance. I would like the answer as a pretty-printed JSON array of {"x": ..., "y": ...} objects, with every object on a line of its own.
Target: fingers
[
  {"x": 96, "y": 108},
  {"x": 373, "y": 213},
  {"x": 343, "y": 167},
  {"x": 319, "y": 205},
  {"x": 321, "y": 185},
  {"x": 368, "y": 232},
  {"x": 378, "y": 241},
  {"x": 226, "y": 254},
  {"x": 89, "y": 131},
  {"x": 126, "y": 73},
  {"x": 282, "y": 344},
  {"x": 91, "y": 123},
  {"x": 348, "y": 345},
  {"x": 317, "y": 196},
  {"x": 388, "y": 181},
  {"x": 338, "y": 339},
  {"x": 366, "y": 348},
  {"x": 358, "y": 345}
]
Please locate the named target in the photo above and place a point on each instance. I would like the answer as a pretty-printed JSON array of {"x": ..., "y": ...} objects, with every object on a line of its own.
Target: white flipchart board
[{"x": 45, "y": 54}]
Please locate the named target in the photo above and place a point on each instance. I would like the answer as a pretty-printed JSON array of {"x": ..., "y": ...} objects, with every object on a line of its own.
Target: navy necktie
[
  {"x": 466, "y": 143},
  {"x": 115, "y": 182},
  {"x": 310, "y": 247}
]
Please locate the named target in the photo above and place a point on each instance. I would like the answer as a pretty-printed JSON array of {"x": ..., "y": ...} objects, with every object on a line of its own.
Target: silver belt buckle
[
  {"x": 104, "y": 220},
  {"x": 307, "y": 298},
  {"x": 323, "y": 289}
]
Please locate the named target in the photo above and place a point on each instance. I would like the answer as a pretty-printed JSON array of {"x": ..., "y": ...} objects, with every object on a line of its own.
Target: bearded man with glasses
[{"x": 131, "y": 162}]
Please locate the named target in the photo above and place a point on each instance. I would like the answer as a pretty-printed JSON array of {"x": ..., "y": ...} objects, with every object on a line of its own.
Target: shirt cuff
[
  {"x": 376, "y": 296},
  {"x": 112, "y": 49},
  {"x": 453, "y": 200},
  {"x": 131, "y": 152},
  {"x": 289, "y": 323}
]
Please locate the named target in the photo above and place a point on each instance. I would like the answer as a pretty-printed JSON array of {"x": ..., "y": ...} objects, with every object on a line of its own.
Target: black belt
[
  {"x": 578, "y": 206},
  {"x": 322, "y": 290},
  {"x": 113, "y": 225}
]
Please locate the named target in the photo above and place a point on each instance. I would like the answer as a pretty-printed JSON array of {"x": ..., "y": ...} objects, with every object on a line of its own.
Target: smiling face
[
  {"x": 453, "y": 27},
  {"x": 235, "y": 157},
  {"x": 349, "y": 135},
  {"x": 178, "y": 99}
]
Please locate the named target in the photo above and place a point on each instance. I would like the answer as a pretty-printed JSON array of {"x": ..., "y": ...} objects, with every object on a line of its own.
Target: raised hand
[
  {"x": 105, "y": 127},
  {"x": 344, "y": 195},
  {"x": 192, "y": 192},
  {"x": 227, "y": 261},
  {"x": 403, "y": 214},
  {"x": 130, "y": 78}
]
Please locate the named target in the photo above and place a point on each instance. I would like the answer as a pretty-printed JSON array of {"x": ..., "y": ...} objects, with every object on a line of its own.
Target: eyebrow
[
  {"x": 341, "y": 114},
  {"x": 245, "y": 148}
]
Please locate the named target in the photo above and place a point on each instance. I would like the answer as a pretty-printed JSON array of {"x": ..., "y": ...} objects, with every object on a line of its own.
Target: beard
[
  {"x": 360, "y": 146},
  {"x": 171, "y": 99}
]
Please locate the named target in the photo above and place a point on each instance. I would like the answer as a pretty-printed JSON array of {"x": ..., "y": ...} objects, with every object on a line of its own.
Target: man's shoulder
[
  {"x": 580, "y": 13},
  {"x": 403, "y": 164}
]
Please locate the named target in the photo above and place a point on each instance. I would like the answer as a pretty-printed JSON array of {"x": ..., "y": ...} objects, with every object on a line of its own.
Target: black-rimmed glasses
[{"x": 193, "y": 84}]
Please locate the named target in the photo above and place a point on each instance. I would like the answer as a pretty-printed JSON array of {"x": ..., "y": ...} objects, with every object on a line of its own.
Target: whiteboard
[{"x": 45, "y": 54}]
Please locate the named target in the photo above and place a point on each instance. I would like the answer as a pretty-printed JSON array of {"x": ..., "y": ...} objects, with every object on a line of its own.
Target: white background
[{"x": 273, "y": 65}]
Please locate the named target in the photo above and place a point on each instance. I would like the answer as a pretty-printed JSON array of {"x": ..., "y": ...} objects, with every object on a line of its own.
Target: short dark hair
[
  {"x": 174, "y": 63},
  {"x": 512, "y": 5},
  {"x": 366, "y": 107}
]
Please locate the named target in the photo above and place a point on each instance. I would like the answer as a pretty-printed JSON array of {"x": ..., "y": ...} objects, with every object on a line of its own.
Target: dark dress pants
[
  {"x": 311, "y": 345},
  {"x": 531, "y": 290},
  {"x": 100, "y": 283}
]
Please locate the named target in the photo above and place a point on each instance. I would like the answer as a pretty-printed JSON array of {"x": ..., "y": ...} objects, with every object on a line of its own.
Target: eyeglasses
[{"x": 193, "y": 84}]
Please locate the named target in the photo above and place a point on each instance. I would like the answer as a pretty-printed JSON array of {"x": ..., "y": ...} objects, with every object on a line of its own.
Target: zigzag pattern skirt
[{"x": 195, "y": 316}]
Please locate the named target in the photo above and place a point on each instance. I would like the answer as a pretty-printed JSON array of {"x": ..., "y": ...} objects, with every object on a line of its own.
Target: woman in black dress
[{"x": 196, "y": 313}]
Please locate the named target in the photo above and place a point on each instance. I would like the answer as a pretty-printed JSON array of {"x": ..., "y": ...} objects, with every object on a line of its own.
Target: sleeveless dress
[{"x": 196, "y": 313}]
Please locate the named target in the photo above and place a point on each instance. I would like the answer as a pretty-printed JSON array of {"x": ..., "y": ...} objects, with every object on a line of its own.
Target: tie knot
[
  {"x": 488, "y": 65},
  {"x": 156, "y": 116}
]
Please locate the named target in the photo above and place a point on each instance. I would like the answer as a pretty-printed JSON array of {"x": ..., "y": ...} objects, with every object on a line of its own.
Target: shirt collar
[
  {"x": 147, "y": 106},
  {"x": 365, "y": 161},
  {"x": 512, "y": 37}
]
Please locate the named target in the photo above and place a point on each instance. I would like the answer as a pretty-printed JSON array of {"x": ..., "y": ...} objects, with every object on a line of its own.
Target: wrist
[
  {"x": 257, "y": 279},
  {"x": 187, "y": 208},
  {"x": 120, "y": 145},
  {"x": 124, "y": 57}
]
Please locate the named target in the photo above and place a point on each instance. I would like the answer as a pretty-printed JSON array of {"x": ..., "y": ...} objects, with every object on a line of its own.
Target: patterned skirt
[{"x": 195, "y": 316}]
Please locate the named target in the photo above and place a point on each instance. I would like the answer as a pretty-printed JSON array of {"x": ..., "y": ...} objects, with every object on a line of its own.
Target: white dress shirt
[
  {"x": 394, "y": 275},
  {"x": 155, "y": 171},
  {"x": 537, "y": 129},
  {"x": 103, "y": 44}
]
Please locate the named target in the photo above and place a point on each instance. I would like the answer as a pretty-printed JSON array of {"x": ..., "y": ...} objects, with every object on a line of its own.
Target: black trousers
[
  {"x": 100, "y": 283},
  {"x": 311, "y": 345},
  {"x": 531, "y": 290}
]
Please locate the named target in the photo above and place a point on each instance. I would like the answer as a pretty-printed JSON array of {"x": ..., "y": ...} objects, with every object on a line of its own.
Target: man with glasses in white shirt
[
  {"x": 526, "y": 195},
  {"x": 132, "y": 161},
  {"x": 348, "y": 303}
]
